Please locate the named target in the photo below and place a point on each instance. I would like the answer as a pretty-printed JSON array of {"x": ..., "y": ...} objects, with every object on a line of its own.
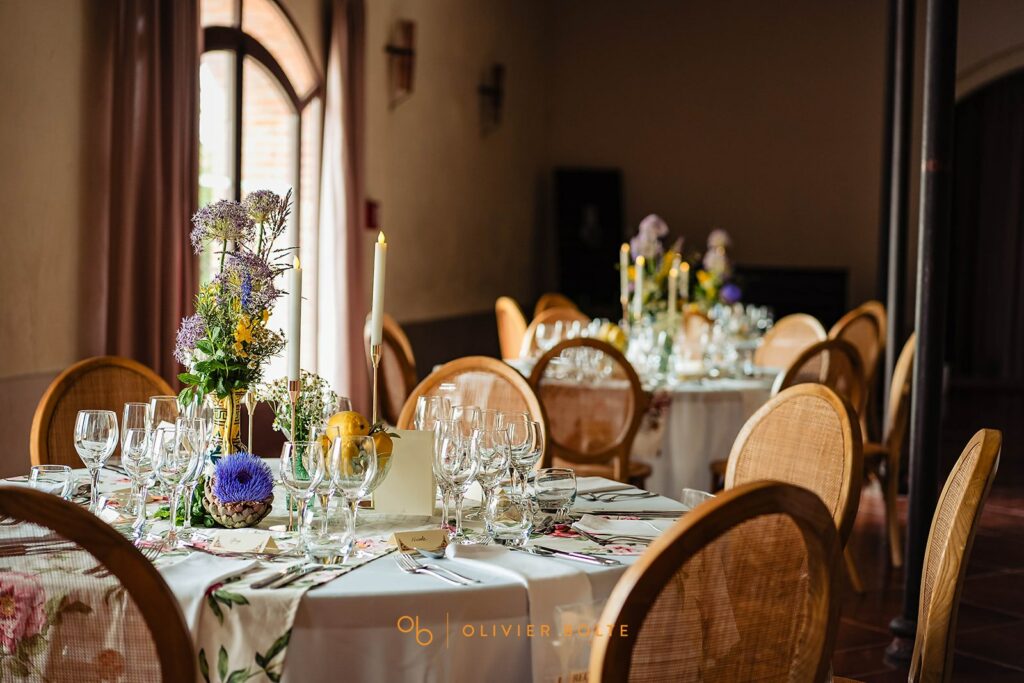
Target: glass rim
[
  {"x": 50, "y": 467},
  {"x": 96, "y": 411},
  {"x": 556, "y": 470}
]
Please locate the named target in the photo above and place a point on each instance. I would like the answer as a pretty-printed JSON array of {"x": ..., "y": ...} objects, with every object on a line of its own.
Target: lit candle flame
[
  {"x": 640, "y": 260},
  {"x": 296, "y": 264},
  {"x": 380, "y": 238},
  {"x": 625, "y": 248}
]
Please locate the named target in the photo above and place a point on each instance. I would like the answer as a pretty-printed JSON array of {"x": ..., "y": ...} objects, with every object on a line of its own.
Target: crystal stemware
[
  {"x": 354, "y": 467},
  {"x": 175, "y": 457},
  {"x": 55, "y": 479},
  {"x": 163, "y": 410},
  {"x": 95, "y": 441},
  {"x": 522, "y": 435},
  {"x": 134, "y": 416},
  {"x": 137, "y": 459},
  {"x": 199, "y": 431},
  {"x": 455, "y": 466},
  {"x": 302, "y": 470},
  {"x": 490, "y": 448},
  {"x": 430, "y": 409}
]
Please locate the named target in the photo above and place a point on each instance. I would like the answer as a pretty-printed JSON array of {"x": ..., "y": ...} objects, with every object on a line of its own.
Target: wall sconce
[
  {"x": 401, "y": 50},
  {"x": 492, "y": 97}
]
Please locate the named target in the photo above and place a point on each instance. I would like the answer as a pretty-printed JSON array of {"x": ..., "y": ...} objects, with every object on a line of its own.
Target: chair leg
[
  {"x": 890, "y": 489},
  {"x": 851, "y": 570}
]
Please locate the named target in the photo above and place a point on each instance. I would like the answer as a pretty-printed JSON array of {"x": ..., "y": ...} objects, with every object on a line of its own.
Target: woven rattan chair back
[
  {"x": 552, "y": 300},
  {"x": 590, "y": 422},
  {"x": 787, "y": 339},
  {"x": 121, "y": 624},
  {"x": 743, "y": 588},
  {"x": 809, "y": 436},
  {"x": 861, "y": 327},
  {"x": 834, "y": 363},
  {"x": 100, "y": 383},
  {"x": 945, "y": 560},
  {"x": 511, "y": 326},
  {"x": 397, "y": 369},
  {"x": 550, "y": 316}
]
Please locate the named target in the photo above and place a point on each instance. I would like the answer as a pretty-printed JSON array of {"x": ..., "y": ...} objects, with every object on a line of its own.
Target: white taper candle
[
  {"x": 295, "y": 321},
  {"x": 624, "y": 272},
  {"x": 380, "y": 255},
  {"x": 638, "y": 288}
]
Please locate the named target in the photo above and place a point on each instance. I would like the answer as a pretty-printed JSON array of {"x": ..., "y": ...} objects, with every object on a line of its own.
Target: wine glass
[
  {"x": 198, "y": 431},
  {"x": 302, "y": 470},
  {"x": 137, "y": 459},
  {"x": 353, "y": 469},
  {"x": 548, "y": 335},
  {"x": 556, "y": 490},
  {"x": 489, "y": 419},
  {"x": 163, "y": 410},
  {"x": 430, "y": 409},
  {"x": 175, "y": 457},
  {"x": 95, "y": 441},
  {"x": 55, "y": 479},
  {"x": 467, "y": 418},
  {"x": 490, "y": 448},
  {"x": 134, "y": 416},
  {"x": 521, "y": 436},
  {"x": 454, "y": 465}
]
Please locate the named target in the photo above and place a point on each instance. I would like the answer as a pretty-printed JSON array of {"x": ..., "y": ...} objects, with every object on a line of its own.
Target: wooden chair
[
  {"x": 950, "y": 540},
  {"x": 397, "y": 367},
  {"x": 591, "y": 427},
  {"x": 566, "y": 316},
  {"x": 864, "y": 327},
  {"x": 834, "y": 363},
  {"x": 479, "y": 381},
  {"x": 786, "y": 339},
  {"x": 882, "y": 459},
  {"x": 100, "y": 383},
  {"x": 552, "y": 300},
  {"x": 511, "y": 326},
  {"x": 156, "y": 643},
  {"x": 743, "y": 588}
]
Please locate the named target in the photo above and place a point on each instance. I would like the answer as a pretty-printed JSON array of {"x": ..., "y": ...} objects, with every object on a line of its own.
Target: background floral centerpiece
[
  {"x": 317, "y": 402},
  {"x": 226, "y": 343},
  {"x": 649, "y": 242},
  {"x": 714, "y": 283}
]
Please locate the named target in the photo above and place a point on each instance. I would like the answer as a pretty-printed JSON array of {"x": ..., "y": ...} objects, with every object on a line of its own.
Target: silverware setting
[
  {"x": 295, "y": 576},
  {"x": 408, "y": 564},
  {"x": 544, "y": 551},
  {"x": 616, "y": 496},
  {"x": 277, "y": 576},
  {"x": 624, "y": 539}
]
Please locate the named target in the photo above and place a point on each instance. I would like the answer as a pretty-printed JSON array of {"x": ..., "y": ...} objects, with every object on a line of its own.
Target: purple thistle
[
  {"x": 731, "y": 293},
  {"x": 243, "y": 477},
  {"x": 224, "y": 220},
  {"x": 248, "y": 278},
  {"x": 193, "y": 328}
]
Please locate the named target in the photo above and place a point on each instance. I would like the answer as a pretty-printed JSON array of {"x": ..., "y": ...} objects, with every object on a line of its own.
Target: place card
[
  {"x": 244, "y": 541},
  {"x": 409, "y": 487},
  {"x": 432, "y": 540}
]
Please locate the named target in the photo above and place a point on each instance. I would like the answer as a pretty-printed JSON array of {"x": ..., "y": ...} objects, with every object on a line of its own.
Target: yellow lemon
[
  {"x": 383, "y": 443},
  {"x": 348, "y": 423}
]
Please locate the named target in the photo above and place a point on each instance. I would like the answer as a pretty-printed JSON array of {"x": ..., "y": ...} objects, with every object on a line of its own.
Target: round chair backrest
[{"x": 786, "y": 339}]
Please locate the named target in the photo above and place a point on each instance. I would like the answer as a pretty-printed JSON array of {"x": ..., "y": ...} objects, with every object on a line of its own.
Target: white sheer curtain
[{"x": 340, "y": 296}]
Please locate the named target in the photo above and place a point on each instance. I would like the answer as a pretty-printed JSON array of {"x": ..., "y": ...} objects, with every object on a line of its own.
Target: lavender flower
[
  {"x": 193, "y": 328},
  {"x": 261, "y": 204},
  {"x": 719, "y": 238},
  {"x": 647, "y": 242},
  {"x": 250, "y": 280},
  {"x": 731, "y": 293},
  {"x": 224, "y": 220},
  {"x": 716, "y": 262},
  {"x": 242, "y": 477}
]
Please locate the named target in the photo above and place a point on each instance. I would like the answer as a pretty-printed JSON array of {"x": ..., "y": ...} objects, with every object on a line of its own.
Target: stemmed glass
[
  {"x": 521, "y": 437},
  {"x": 163, "y": 410},
  {"x": 489, "y": 419},
  {"x": 430, "y": 409},
  {"x": 95, "y": 441},
  {"x": 199, "y": 430},
  {"x": 353, "y": 470},
  {"x": 467, "y": 418},
  {"x": 137, "y": 459},
  {"x": 55, "y": 479},
  {"x": 175, "y": 457},
  {"x": 302, "y": 470},
  {"x": 490, "y": 449},
  {"x": 134, "y": 416},
  {"x": 455, "y": 469}
]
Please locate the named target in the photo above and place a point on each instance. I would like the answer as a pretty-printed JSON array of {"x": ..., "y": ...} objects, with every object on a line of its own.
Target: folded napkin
[
  {"x": 599, "y": 485},
  {"x": 46, "y": 488},
  {"x": 643, "y": 528},
  {"x": 190, "y": 579},
  {"x": 549, "y": 584}
]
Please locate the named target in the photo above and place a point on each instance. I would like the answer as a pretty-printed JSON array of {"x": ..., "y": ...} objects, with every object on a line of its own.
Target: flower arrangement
[
  {"x": 649, "y": 242},
  {"x": 317, "y": 402},
  {"x": 714, "y": 284},
  {"x": 226, "y": 342},
  {"x": 240, "y": 492}
]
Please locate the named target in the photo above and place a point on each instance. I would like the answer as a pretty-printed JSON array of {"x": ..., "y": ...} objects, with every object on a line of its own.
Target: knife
[
  {"x": 277, "y": 576},
  {"x": 543, "y": 551},
  {"x": 292, "y": 578}
]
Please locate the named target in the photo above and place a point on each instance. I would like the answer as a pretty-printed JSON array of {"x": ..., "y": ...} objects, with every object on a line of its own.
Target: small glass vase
[{"x": 227, "y": 422}]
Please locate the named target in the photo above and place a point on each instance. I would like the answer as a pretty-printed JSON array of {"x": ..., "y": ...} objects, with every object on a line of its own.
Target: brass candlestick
[
  {"x": 250, "y": 405},
  {"x": 375, "y": 354},
  {"x": 625, "y": 312},
  {"x": 294, "y": 389}
]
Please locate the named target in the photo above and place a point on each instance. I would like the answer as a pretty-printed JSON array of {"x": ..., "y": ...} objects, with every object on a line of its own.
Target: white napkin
[
  {"x": 190, "y": 578},
  {"x": 599, "y": 485},
  {"x": 644, "y": 528},
  {"x": 549, "y": 584},
  {"x": 46, "y": 488}
]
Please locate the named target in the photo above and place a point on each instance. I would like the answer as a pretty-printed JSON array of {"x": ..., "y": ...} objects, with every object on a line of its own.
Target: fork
[
  {"x": 617, "y": 538},
  {"x": 614, "y": 497},
  {"x": 410, "y": 566}
]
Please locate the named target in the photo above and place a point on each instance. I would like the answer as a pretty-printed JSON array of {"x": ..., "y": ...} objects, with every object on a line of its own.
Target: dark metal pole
[
  {"x": 903, "y": 17},
  {"x": 932, "y": 295},
  {"x": 888, "y": 125}
]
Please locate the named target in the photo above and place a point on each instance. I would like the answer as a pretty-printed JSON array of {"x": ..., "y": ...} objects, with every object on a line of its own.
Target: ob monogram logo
[{"x": 407, "y": 624}]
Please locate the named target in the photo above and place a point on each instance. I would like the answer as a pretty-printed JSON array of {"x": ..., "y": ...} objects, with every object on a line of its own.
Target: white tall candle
[
  {"x": 684, "y": 280},
  {"x": 380, "y": 255},
  {"x": 673, "y": 283},
  {"x": 624, "y": 273},
  {"x": 295, "y": 322},
  {"x": 638, "y": 288}
]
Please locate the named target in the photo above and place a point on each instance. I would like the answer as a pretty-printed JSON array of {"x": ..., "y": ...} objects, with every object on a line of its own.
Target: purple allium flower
[
  {"x": 248, "y": 278},
  {"x": 647, "y": 242},
  {"x": 224, "y": 220},
  {"x": 242, "y": 477},
  {"x": 716, "y": 261},
  {"x": 261, "y": 204},
  {"x": 192, "y": 329},
  {"x": 731, "y": 293},
  {"x": 719, "y": 238},
  {"x": 653, "y": 226}
]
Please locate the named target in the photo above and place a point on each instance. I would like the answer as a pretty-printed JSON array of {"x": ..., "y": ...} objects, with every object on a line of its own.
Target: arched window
[{"x": 259, "y": 115}]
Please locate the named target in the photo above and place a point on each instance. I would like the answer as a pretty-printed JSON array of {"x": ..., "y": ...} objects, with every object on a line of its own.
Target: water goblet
[
  {"x": 556, "y": 491},
  {"x": 430, "y": 409},
  {"x": 95, "y": 441},
  {"x": 137, "y": 458},
  {"x": 489, "y": 419},
  {"x": 163, "y": 410},
  {"x": 509, "y": 518},
  {"x": 522, "y": 435},
  {"x": 354, "y": 468},
  {"x": 455, "y": 466},
  {"x": 175, "y": 457},
  {"x": 134, "y": 416},
  {"x": 199, "y": 434},
  {"x": 490, "y": 448},
  {"x": 302, "y": 469},
  {"x": 55, "y": 479},
  {"x": 467, "y": 418}
]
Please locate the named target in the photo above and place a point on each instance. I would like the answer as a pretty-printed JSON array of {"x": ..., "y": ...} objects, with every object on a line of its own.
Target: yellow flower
[
  {"x": 243, "y": 332},
  {"x": 266, "y": 316},
  {"x": 703, "y": 277}
]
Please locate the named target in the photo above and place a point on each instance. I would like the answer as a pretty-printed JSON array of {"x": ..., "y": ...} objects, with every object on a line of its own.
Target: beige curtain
[{"x": 342, "y": 294}]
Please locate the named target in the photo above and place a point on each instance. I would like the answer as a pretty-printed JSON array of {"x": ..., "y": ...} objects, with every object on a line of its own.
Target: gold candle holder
[
  {"x": 375, "y": 355},
  {"x": 625, "y": 313}
]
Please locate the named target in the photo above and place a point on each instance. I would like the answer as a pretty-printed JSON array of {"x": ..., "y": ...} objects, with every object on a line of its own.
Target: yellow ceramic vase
[{"x": 227, "y": 422}]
